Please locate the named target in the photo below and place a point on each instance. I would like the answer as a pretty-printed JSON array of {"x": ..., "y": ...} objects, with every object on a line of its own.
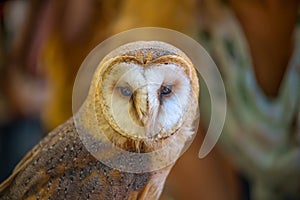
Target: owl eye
[
  {"x": 165, "y": 90},
  {"x": 125, "y": 91}
]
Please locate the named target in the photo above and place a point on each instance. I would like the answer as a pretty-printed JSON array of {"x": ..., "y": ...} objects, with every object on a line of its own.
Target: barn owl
[{"x": 136, "y": 121}]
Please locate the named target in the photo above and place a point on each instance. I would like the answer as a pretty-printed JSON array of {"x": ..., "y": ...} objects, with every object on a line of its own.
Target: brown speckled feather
[{"x": 60, "y": 167}]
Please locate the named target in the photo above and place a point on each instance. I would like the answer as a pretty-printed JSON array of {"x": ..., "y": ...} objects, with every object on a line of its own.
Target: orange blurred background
[{"x": 42, "y": 45}]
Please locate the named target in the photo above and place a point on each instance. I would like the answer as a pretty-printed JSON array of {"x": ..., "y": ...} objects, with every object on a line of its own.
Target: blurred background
[{"x": 42, "y": 45}]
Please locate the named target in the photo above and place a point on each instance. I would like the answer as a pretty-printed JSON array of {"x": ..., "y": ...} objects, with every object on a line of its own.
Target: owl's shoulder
[
  {"x": 56, "y": 153},
  {"x": 61, "y": 167}
]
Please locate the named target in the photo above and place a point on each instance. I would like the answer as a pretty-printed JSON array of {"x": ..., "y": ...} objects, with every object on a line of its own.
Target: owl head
[{"x": 143, "y": 97}]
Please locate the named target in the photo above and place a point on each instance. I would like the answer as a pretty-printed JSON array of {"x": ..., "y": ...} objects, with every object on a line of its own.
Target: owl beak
[
  {"x": 146, "y": 116},
  {"x": 141, "y": 105}
]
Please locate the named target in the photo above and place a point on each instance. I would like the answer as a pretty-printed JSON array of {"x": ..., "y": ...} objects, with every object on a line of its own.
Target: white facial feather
[
  {"x": 123, "y": 75},
  {"x": 171, "y": 109},
  {"x": 165, "y": 112}
]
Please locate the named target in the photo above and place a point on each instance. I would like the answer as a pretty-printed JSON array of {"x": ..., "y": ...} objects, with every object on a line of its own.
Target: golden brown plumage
[
  {"x": 60, "y": 167},
  {"x": 71, "y": 162}
]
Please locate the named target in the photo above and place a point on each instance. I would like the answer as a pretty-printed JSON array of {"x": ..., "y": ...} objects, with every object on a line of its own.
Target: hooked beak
[
  {"x": 141, "y": 105},
  {"x": 143, "y": 110}
]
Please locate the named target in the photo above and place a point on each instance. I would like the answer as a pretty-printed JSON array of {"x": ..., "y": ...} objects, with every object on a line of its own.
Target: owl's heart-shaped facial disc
[{"x": 146, "y": 101}]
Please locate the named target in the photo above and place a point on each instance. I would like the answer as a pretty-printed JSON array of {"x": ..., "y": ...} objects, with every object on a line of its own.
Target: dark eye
[
  {"x": 125, "y": 91},
  {"x": 164, "y": 90}
]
